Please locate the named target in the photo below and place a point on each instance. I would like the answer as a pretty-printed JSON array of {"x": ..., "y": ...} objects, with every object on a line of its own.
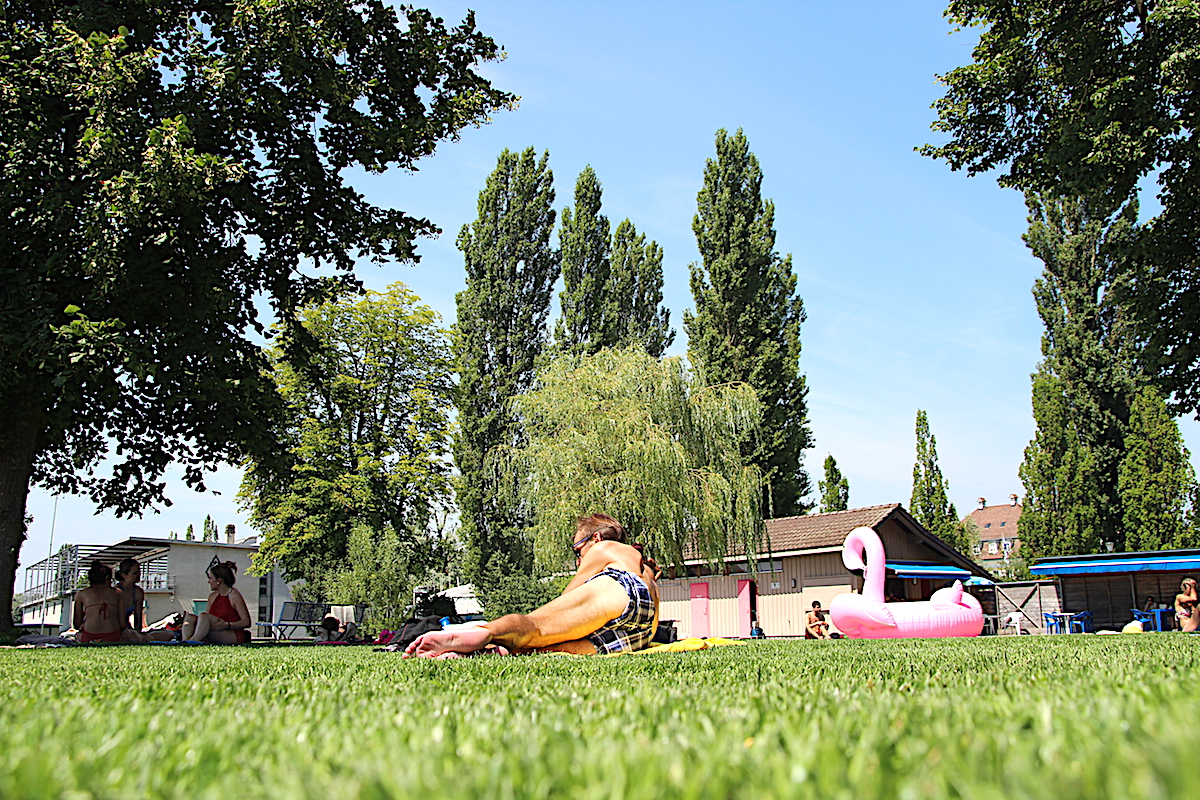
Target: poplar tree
[
  {"x": 1107, "y": 463},
  {"x": 835, "y": 488},
  {"x": 501, "y": 331},
  {"x": 746, "y": 326},
  {"x": 636, "y": 284},
  {"x": 588, "y": 320},
  {"x": 1156, "y": 478},
  {"x": 1082, "y": 388},
  {"x": 612, "y": 285},
  {"x": 930, "y": 504}
]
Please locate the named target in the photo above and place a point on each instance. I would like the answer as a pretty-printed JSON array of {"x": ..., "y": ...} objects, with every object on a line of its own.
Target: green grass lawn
[{"x": 1051, "y": 716}]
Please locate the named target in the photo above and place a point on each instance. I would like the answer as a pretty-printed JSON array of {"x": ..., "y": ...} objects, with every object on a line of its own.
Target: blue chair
[
  {"x": 1081, "y": 622},
  {"x": 1149, "y": 621},
  {"x": 1054, "y": 622}
]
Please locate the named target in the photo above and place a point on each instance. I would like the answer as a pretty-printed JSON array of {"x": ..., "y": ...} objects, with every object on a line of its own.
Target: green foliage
[
  {"x": 500, "y": 334},
  {"x": 587, "y": 322},
  {"x": 747, "y": 322},
  {"x": 930, "y": 504},
  {"x": 170, "y": 170},
  {"x": 1068, "y": 717},
  {"x": 367, "y": 435},
  {"x": 1097, "y": 471},
  {"x": 636, "y": 289},
  {"x": 210, "y": 530},
  {"x": 1081, "y": 391},
  {"x": 1156, "y": 478},
  {"x": 612, "y": 287},
  {"x": 1091, "y": 98},
  {"x": 640, "y": 439},
  {"x": 835, "y": 488},
  {"x": 382, "y": 568}
]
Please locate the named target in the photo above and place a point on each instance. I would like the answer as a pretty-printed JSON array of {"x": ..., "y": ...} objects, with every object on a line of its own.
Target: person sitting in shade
[
  {"x": 134, "y": 617},
  {"x": 815, "y": 626},
  {"x": 97, "y": 613},
  {"x": 227, "y": 620},
  {"x": 609, "y": 606}
]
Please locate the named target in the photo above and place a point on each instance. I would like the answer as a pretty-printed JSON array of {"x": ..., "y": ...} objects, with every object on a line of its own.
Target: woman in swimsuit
[
  {"x": 98, "y": 608},
  {"x": 227, "y": 620},
  {"x": 1185, "y": 606},
  {"x": 129, "y": 573}
]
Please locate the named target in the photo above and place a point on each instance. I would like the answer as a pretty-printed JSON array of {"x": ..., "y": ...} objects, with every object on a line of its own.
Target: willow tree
[{"x": 641, "y": 439}]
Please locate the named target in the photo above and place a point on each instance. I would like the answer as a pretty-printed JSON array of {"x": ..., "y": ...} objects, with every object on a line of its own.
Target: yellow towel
[{"x": 690, "y": 643}]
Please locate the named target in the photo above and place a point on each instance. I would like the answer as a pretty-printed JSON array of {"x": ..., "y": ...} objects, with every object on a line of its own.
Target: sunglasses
[{"x": 577, "y": 546}]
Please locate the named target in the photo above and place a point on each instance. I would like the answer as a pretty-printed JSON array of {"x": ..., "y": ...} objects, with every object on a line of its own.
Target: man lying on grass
[{"x": 610, "y": 605}]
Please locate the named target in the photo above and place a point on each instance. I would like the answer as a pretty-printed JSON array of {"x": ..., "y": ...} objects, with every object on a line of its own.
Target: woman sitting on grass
[
  {"x": 98, "y": 608},
  {"x": 129, "y": 573},
  {"x": 227, "y": 619}
]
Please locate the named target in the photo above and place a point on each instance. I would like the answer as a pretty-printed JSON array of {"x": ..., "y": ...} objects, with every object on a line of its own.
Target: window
[
  {"x": 976, "y": 549},
  {"x": 770, "y": 565},
  {"x": 987, "y": 524},
  {"x": 738, "y": 567},
  {"x": 992, "y": 548},
  {"x": 1002, "y": 524}
]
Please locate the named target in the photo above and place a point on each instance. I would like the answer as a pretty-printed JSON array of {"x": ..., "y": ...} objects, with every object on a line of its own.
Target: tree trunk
[{"x": 18, "y": 446}]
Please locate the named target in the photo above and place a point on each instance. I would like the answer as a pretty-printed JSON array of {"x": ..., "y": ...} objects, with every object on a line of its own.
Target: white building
[{"x": 173, "y": 577}]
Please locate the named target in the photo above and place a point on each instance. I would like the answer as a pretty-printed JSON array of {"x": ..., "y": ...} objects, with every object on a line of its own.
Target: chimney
[
  {"x": 982, "y": 503},
  {"x": 231, "y": 533},
  {"x": 1013, "y": 498}
]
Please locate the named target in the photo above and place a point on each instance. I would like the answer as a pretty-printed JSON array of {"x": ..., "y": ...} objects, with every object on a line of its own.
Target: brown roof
[
  {"x": 823, "y": 530},
  {"x": 988, "y": 520}
]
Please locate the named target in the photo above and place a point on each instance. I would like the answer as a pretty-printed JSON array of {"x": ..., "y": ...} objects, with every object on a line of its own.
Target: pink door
[
  {"x": 745, "y": 604},
  {"x": 699, "y": 600}
]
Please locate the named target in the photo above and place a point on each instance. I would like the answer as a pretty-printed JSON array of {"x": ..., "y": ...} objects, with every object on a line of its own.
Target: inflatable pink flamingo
[{"x": 949, "y": 612}]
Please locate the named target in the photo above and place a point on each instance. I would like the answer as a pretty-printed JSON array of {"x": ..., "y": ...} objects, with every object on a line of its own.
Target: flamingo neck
[{"x": 875, "y": 567}]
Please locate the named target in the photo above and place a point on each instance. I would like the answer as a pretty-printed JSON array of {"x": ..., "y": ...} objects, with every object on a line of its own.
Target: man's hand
[{"x": 436, "y": 644}]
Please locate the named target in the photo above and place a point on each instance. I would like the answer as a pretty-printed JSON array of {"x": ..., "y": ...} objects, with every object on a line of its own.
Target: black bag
[{"x": 411, "y": 629}]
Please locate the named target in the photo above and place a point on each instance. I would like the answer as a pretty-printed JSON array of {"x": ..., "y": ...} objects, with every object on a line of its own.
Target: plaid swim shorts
[{"x": 634, "y": 629}]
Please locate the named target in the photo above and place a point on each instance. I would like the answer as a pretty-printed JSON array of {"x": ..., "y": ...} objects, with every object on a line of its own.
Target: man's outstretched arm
[{"x": 573, "y": 615}]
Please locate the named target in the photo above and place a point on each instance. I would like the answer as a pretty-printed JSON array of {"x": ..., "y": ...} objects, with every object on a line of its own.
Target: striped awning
[
  {"x": 916, "y": 569},
  {"x": 1119, "y": 563}
]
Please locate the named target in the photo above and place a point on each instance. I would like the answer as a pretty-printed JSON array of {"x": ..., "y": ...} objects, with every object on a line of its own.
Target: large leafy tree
[
  {"x": 835, "y": 487},
  {"x": 172, "y": 169},
  {"x": 500, "y": 334},
  {"x": 1089, "y": 98},
  {"x": 612, "y": 285},
  {"x": 367, "y": 437},
  {"x": 930, "y": 503},
  {"x": 644, "y": 440},
  {"x": 746, "y": 326}
]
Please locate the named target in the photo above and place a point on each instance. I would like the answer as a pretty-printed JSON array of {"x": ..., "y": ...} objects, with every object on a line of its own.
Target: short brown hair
[
  {"x": 603, "y": 524},
  {"x": 224, "y": 572}
]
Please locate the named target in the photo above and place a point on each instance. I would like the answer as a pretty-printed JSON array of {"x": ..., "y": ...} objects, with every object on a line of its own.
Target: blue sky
[{"x": 915, "y": 278}]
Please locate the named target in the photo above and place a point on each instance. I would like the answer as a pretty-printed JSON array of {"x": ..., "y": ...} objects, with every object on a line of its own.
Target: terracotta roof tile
[
  {"x": 988, "y": 520},
  {"x": 822, "y": 530}
]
